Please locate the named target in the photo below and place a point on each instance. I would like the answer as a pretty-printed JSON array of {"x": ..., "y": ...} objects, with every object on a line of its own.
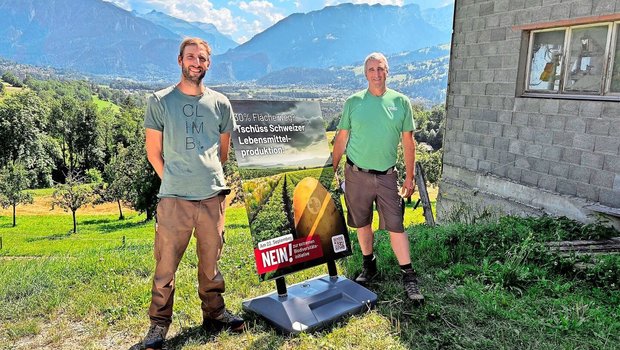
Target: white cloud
[
  {"x": 124, "y": 4},
  {"x": 266, "y": 15},
  {"x": 369, "y": 2},
  {"x": 261, "y": 9},
  {"x": 223, "y": 18},
  {"x": 242, "y": 19},
  {"x": 197, "y": 10}
]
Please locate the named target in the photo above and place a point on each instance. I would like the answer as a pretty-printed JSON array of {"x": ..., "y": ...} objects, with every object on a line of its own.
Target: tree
[
  {"x": 117, "y": 182},
  {"x": 14, "y": 180},
  {"x": 233, "y": 178},
  {"x": 436, "y": 122},
  {"x": 22, "y": 118},
  {"x": 1, "y": 88},
  {"x": 87, "y": 141},
  {"x": 128, "y": 126},
  {"x": 333, "y": 124},
  {"x": 431, "y": 163},
  {"x": 75, "y": 126},
  {"x": 72, "y": 195},
  {"x": 430, "y": 125},
  {"x": 10, "y": 78},
  {"x": 143, "y": 181}
]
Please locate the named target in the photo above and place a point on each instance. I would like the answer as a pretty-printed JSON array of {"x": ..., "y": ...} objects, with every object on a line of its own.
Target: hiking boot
[
  {"x": 227, "y": 320},
  {"x": 410, "y": 282},
  {"x": 155, "y": 337},
  {"x": 369, "y": 271}
]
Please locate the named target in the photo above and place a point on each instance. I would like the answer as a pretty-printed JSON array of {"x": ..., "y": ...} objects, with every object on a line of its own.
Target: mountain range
[
  {"x": 99, "y": 38},
  {"x": 334, "y": 36},
  {"x": 218, "y": 42}
]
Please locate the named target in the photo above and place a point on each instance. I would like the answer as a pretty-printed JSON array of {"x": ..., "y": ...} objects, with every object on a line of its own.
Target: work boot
[
  {"x": 155, "y": 337},
  {"x": 227, "y": 320},
  {"x": 369, "y": 271},
  {"x": 410, "y": 282}
]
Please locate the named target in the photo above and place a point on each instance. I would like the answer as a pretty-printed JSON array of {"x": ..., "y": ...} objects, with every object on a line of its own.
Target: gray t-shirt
[{"x": 191, "y": 127}]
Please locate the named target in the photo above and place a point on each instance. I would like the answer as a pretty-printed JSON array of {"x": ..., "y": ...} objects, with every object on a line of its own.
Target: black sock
[
  {"x": 405, "y": 267},
  {"x": 368, "y": 258}
]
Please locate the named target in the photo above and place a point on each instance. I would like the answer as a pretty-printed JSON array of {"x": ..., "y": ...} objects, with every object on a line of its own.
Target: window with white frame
[{"x": 575, "y": 60}]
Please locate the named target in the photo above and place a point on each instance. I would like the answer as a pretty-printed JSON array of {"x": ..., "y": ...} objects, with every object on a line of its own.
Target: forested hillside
[
  {"x": 75, "y": 132},
  {"x": 55, "y": 130}
]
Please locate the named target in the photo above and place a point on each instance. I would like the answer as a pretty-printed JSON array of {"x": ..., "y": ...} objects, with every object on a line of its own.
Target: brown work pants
[{"x": 176, "y": 220}]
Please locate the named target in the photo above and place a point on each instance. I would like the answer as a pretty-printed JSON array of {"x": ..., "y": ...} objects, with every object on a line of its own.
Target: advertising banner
[{"x": 294, "y": 212}]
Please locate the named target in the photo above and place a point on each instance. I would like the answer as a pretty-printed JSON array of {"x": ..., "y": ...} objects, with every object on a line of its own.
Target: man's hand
[{"x": 408, "y": 188}]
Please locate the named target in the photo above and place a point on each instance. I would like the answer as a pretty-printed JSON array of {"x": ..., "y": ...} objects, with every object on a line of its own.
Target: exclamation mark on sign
[{"x": 290, "y": 252}]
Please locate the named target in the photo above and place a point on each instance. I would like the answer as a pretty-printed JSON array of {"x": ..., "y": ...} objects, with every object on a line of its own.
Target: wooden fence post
[{"x": 420, "y": 181}]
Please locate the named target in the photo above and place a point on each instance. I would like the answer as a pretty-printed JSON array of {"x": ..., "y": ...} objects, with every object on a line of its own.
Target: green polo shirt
[{"x": 375, "y": 125}]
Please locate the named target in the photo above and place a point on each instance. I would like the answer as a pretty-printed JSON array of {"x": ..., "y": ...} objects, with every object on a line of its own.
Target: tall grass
[{"x": 491, "y": 286}]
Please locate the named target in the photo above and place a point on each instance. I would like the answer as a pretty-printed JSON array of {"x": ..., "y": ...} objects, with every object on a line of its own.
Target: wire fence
[{"x": 123, "y": 240}]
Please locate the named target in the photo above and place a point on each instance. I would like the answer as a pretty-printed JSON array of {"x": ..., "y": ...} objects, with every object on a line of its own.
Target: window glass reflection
[
  {"x": 586, "y": 59},
  {"x": 546, "y": 60}
]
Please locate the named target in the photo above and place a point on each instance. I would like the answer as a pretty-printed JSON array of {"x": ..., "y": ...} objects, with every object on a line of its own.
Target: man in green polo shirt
[{"x": 374, "y": 121}]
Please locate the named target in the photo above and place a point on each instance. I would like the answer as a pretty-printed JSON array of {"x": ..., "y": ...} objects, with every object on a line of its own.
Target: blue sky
[{"x": 243, "y": 19}]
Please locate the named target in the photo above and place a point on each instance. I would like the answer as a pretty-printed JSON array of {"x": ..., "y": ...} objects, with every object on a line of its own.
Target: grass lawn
[
  {"x": 91, "y": 290},
  {"x": 9, "y": 90},
  {"x": 101, "y": 104}
]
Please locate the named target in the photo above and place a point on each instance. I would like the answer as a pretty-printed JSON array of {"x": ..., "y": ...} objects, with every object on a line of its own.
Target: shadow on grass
[
  {"x": 113, "y": 225},
  {"x": 53, "y": 237},
  {"x": 237, "y": 226},
  {"x": 198, "y": 336}
]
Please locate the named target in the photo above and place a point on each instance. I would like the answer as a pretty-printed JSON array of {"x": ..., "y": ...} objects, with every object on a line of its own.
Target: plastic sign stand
[{"x": 312, "y": 304}]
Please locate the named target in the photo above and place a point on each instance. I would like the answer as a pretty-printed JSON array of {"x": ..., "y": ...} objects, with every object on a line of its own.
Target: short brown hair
[{"x": 194, "y": 41}]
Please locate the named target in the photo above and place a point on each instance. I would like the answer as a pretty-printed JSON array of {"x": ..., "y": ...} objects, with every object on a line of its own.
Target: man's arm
[
  {"x": 409, "y": 155},
  {"x": 224, "y": 146},
  {"x": 154, "y": 146},
  {"x": 340, "y": 143}
]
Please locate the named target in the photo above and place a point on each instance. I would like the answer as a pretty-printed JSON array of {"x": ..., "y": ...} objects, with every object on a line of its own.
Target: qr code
[{"x": 339, "y": 243}]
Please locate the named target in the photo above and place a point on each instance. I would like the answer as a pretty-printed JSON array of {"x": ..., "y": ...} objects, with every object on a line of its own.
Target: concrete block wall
[{"x": 564, "y": 147}]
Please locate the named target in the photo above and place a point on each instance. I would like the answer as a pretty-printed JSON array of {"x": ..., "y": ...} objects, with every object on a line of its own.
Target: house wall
[{"x": 518, "y": 155}]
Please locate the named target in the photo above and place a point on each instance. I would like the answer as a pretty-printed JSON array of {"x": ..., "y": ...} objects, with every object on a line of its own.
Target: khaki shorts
[{"x": 363, "y": 189}]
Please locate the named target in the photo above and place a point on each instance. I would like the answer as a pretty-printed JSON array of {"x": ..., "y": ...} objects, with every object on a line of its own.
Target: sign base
[{"x": 312, "y": 304}]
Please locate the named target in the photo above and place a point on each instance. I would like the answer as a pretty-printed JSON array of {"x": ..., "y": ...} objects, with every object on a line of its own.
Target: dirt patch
[
  {"x": 42, "y": 205},
  {"x": 70, "y": 335}
]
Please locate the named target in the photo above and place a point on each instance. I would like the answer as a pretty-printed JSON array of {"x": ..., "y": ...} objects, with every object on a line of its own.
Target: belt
[
  {"x": 223, "y": 192},
  {"x": 370, "y": 171}
]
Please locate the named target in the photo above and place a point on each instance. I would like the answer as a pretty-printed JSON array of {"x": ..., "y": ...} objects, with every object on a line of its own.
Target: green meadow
[{"x": 489, "y": 286}]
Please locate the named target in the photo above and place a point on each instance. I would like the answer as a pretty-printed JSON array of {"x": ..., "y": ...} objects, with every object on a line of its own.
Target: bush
[
  {"x": 511, "y": 253},
  {"x": 431, "y": 163},
  {"x": 10, "y": 78},
  {"x": 93, "y": 176}
]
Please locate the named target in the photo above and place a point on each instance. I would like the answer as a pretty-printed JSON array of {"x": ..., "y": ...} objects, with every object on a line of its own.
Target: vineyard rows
[
  {"x": 268, "y": 201},
  {"x": 271, "y": 219},
  {"x": 257, "y": 193}
]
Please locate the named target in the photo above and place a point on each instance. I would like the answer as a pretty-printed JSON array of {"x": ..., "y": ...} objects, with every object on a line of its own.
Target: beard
[{"x": 196, "y": 79}]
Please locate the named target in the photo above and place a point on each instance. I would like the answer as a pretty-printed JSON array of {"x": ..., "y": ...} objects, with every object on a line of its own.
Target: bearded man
[{"x": 187, "y": 140}]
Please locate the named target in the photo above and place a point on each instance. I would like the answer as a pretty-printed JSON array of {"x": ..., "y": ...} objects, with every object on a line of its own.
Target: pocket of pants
[
  {"x": 156, "y": 253},
  {"x": 163, "y": 207},
  {"x": 222, "y": 199}
]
